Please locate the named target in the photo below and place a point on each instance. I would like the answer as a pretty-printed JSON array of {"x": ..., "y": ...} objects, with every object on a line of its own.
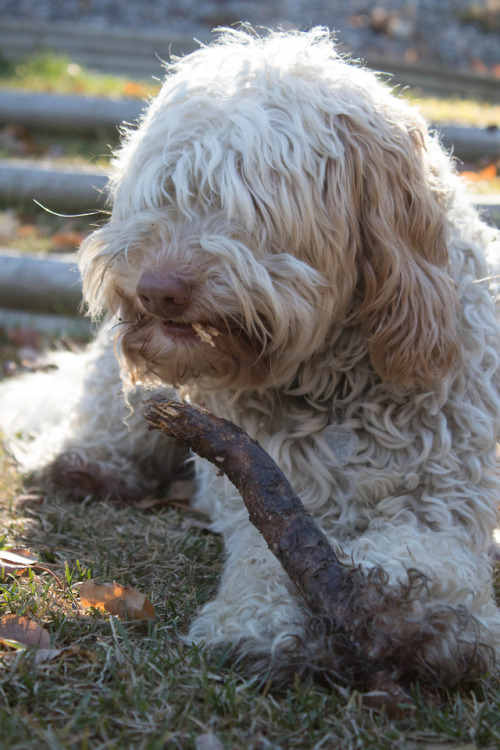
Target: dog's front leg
[
  {"x": 421, "y": 602},
  {"x": 257, "y": 610},
  {"x": 74, "y": 427}
]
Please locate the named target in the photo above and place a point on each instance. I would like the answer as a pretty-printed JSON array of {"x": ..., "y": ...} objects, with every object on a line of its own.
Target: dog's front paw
[{"x": 80, "y": 477}]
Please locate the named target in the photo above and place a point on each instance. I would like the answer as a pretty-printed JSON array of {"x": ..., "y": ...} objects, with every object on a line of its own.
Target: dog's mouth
[
  {"x": 178, "y": 350},
  {"x": 177, "y": 329}
]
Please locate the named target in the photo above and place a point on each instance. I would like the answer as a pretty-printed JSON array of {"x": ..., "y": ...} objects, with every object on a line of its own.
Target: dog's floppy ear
[{"x": 405, "y": 301}]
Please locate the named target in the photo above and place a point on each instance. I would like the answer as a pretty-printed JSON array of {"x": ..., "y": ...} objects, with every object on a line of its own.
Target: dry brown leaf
[
  {"x": 27, "y": 230},
  {"x": 182, "y": 490},
  {"x": 147, "y": 503},
  {"x": 68, "y": 239},
  {"x": 117, "y": 600},
  {"x": 22, "y": 630},
  {"x": 16, "y": 560},
  {"x": 156, "y": 503},
  {"x": 29, "y": 498},
  {"x": 48, "y": 655},
  {"x": 488, "y": 173},
  {"x": 135, "y": 89}
]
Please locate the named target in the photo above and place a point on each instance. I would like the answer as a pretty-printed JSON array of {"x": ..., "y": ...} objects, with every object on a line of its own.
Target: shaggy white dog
[{"x": 289, "y": 246}]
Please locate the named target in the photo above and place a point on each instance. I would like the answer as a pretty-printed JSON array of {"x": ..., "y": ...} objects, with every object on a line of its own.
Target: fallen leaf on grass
[
  {"x": 48, "y": 655},
  {"x": 27, "y": 230},
  {"x": 135, "y": 89},
  {"x": 15, "y": 561},
  {"x": 181, "y": 490},
  {"x": 148, "y": 503},
  {"x": 16, "y": 630},
  {"x": 117, "y": 600},
  {"x": 179, "y": 495},
  {"x": 28, "y": 498},
  {"x": 195, "y": 523}
]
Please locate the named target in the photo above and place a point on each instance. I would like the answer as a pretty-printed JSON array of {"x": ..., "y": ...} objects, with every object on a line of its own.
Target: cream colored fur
[{"x": 331, "y": 247}]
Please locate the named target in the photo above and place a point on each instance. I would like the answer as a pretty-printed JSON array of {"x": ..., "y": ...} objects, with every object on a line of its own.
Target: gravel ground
[{"x": 438, "y": 31}]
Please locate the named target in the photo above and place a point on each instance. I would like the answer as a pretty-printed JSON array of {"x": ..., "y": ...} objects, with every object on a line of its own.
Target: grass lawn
[{"x": 107, "y": 683}]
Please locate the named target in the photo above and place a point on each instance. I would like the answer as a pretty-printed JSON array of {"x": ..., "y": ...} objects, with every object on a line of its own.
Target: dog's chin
[{"x": 155, "y": 351}]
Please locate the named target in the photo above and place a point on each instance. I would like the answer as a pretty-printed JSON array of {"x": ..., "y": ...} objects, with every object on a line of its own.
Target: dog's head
[{"x": 278, "y": 217}]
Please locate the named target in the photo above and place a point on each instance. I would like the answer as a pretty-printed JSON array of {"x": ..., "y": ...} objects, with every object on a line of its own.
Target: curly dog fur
[{"x": 291, "y": 247}]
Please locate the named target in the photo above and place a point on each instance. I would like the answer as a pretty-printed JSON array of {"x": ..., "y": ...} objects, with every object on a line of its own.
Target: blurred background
[
  {"x": 72, "y": 71},
  {"x": 461, "y": 34}
]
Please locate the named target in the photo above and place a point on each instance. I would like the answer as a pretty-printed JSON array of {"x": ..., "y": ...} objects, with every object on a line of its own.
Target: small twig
[{"x": 44, "y": 569}]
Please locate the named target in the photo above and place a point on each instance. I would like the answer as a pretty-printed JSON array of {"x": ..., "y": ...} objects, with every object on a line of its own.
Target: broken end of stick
[
  {"x": 159, "y": 405},
  {"x": 163, "y": 414},
  {"x": 163, "y": 406},
  {"x": 177, "y": 419}
]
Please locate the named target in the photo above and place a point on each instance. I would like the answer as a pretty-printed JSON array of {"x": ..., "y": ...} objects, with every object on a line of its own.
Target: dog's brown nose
[{"x": 164, "y": 294}]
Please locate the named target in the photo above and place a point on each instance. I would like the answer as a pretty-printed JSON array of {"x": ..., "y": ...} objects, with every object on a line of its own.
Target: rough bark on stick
[{"x": 274, "y": 508}]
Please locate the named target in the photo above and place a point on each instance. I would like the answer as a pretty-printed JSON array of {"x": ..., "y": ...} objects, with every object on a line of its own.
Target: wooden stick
[
  {"x": 290, "y": 531},
  {"x": 274, "y": 508}
]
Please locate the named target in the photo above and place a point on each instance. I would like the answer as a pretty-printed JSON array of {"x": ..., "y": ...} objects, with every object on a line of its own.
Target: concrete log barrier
[
  {"x": 67, "y": 114},
  {"x": 489, "y": 208},
  {"x": 139, "y": 52},
  {"x": 41, "y": 284},
  {"x": 53, "y": 326},
  {"x": 61, "y": 188},
  {"x": 57, "y": 187},
  {"x": 470, "y": 144}
]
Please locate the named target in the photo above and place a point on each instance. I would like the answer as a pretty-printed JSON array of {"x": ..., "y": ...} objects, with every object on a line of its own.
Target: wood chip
[{"x": 206, "y": 333}]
